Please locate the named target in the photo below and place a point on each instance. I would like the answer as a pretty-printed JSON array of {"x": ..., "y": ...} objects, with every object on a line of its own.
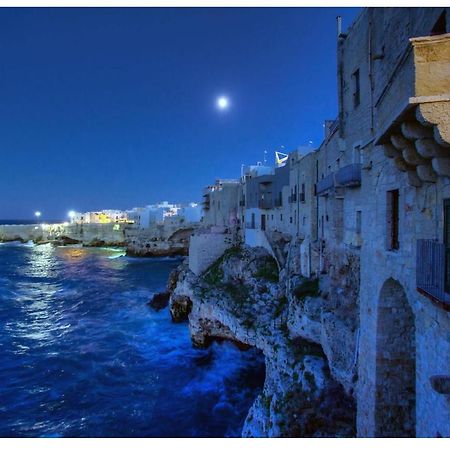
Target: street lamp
[
  {"x": 37, "y": 214},
  {"x": 71, "y": 215}
]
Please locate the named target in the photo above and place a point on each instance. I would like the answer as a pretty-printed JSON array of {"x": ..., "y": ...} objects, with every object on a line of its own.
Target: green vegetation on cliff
[
  {"x": 214, "y": 275},
  {"x": 268, "y": 270}
]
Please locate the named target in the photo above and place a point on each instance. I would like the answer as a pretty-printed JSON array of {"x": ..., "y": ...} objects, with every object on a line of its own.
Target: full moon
[{"x": 222, "y": 103}]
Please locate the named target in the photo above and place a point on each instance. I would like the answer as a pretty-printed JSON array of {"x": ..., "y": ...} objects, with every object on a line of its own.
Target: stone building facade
[
  {"x": 221, "y": 203},
  {"x": 370, "y": 212}
]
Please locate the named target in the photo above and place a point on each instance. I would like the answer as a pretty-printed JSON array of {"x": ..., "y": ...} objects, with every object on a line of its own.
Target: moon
[{"x": 223, "y": 102}]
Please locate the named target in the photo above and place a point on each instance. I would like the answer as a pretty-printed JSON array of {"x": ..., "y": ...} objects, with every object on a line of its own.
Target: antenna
[
  {"x": 339, "y": 25},
  {"x": 281, "y": 158}
]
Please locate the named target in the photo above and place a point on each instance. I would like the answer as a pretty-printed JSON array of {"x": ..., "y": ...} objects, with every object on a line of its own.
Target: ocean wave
[
  {"x": 18, "y": 244},
  {"x": 83, "y": 354}
]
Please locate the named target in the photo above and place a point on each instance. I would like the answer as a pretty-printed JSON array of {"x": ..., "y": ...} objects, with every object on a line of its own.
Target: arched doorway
[{"x": 395, "y": 414}]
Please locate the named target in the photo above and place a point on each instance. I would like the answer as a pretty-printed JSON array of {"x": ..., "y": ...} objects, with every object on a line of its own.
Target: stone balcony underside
[{"x": 418, "y": 140}]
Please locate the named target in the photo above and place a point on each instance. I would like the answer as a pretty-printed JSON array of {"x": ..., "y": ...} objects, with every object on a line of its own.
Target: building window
[
  {"x": 358, "y": 222},
  {"x": 281, "y": 217},
  {"x": 290, "y": 219},
  {"x": 356, "y": 88},
  {"x": 252, "y": 225},
  {"x": 392, "y": 219}
]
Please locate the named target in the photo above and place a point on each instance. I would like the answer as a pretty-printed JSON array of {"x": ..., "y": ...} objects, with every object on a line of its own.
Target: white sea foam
[
  {"x": 116, "y": 256},
  {"x": 18, "y": 244}
]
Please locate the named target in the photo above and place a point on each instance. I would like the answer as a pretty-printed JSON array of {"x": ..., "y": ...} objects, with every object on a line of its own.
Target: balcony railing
[
  {"x": 241, "y": 202},
  {"x": 292, "y": 198},
  {"x": 433, "y": 271},
  {"x": 278, "y": 203},
  {"x": 349, "y": 175},
  {"x": 324, "y": 185},
  {"x": 301, "y": 197}
]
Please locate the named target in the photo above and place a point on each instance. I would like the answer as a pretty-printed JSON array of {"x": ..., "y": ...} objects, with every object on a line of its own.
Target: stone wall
[{"x": 207, "y": 247}]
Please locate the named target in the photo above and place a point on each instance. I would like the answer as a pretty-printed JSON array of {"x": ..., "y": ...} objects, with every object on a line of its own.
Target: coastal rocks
[
  {"x": 162, "y": 239},
  {"x": 159, "y": 301},
  {"x": 65, "y": 240},
  {"x": 159, "y": 240},
  {"x": 180, "y": 307},
  {"x": 313, "y": 406},
  {"x": 148, "y": 250},
  {"x": 305, "y": 318},
  {"x": 324, "y": 310},
  {"x": 339, "y": 341},
  {"x": 240, "y": 298},
  {"x": 173, "y": 278}
]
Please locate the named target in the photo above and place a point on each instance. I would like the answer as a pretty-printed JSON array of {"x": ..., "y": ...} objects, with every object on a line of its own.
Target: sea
[{"x": 83, "y": 355}]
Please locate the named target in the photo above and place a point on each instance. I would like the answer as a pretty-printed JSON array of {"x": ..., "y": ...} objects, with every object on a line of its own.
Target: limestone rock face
[
  {"x": 159, "y": 240},
  {"x": 159, "y": 301},
  {"x": 180, "y": 307},
  {"x": 173, "y": 279},
  {"x": 242, "y": 298},
  {"x": 325, "y": 311}
]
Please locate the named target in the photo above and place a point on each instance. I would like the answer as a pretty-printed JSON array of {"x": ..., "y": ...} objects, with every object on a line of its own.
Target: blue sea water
[{"x": 82, "y": 354}]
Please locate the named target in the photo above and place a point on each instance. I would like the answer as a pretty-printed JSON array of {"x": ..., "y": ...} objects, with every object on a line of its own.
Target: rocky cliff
[
  {"x": 165, "y": 239},
  {"x": 159, "y": 240},
  {"x": 242, "y": 297}
]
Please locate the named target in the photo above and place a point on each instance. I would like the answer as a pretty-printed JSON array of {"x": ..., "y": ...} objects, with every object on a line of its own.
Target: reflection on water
[{"x": 81, "y": 354}]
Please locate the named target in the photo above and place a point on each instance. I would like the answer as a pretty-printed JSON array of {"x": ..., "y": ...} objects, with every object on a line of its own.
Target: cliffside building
[{"x": 370, "y": 212}]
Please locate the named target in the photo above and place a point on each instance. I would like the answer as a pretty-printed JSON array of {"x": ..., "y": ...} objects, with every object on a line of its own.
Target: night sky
[{"x": 114, "y": 108}]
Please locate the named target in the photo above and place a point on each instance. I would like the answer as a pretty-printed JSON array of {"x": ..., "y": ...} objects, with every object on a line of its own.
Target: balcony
[
  {"x": 349, "y": 176},
  {"x": 292, "y": 198},
  {"x": 241, "y": 202},
  {"x": 433, "y": 272},
  {"x": 265, "y": 204},
  {"x": 415, "y": 134},
  {"x": 302, "y": 197},
  {"x": 325, "y": 185},
  {"x": 278, "y": 203},
  {"x": 206, "y": 202}
]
